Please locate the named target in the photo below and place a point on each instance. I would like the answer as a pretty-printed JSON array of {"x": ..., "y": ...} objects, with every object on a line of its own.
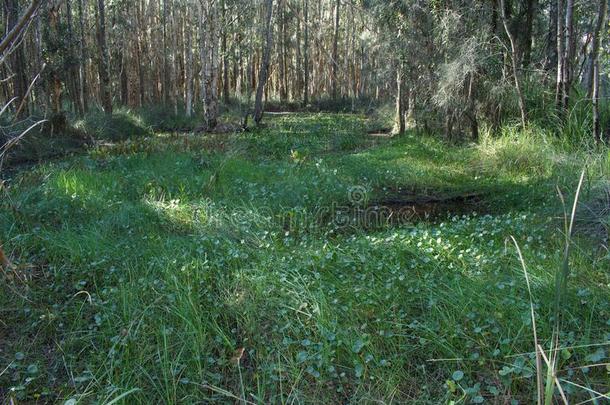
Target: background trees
[{"x": 451, "y": 65}]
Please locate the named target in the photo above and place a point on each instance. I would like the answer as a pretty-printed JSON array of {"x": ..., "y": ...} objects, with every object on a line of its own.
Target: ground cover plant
[{"x": 200, "y": 268}]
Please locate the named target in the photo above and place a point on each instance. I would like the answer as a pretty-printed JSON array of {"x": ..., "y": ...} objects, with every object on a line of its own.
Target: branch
[{"x": 17, "y": 29}]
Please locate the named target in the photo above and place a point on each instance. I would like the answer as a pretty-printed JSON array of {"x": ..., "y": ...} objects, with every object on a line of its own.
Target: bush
[
  {"x": 120, "y": 125},
  {"x": 163, "y": 118}
]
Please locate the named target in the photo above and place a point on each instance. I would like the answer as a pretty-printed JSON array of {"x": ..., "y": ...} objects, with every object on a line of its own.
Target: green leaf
[
  {"x": 357, "y": 346},
  {"x": 302, "y": 356},
  {"x": 359, "y": 369},
  {"x": 458, "y": 375}
]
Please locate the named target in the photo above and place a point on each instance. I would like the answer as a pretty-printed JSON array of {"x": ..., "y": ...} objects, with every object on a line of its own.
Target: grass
[{"x": 184, "y": 268}]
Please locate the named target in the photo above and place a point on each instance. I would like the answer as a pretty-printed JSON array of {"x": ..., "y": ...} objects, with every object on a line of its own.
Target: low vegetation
[{"x": 235, "y": 268}]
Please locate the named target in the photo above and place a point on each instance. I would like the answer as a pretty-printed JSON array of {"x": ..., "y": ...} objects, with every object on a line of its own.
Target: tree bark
[
  {"x": 19, "y": 26},
  {"x": 596, "y": 42},
  {"x": 531, "y": 8},
  {"x": 399, "y": 119},
  {"x": 225, "y": 57},
  {"x": 593, "y": 80},
  {"x": 103, "y": 63},
  {"x": 335, "y": 56},
  {"x": 264, "y": 68},
  {"x": 211, "y": 62},
  {"x": 515, "y": 64},
  {"x": 305, "y": 52},
  {"x": 17, "y": 59},
  {"x": 559, "y": 85},
  {"x": 189, "y": 71},
  {"x": 82, "y": 64},
  {"x": 570, "y": 43}
]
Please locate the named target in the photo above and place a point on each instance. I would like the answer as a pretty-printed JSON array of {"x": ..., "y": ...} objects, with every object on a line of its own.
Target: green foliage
[
  {"x": 166, "y": 270},
  {"x": 122, "y": 124},
  {"x": 163, "y": 118}
]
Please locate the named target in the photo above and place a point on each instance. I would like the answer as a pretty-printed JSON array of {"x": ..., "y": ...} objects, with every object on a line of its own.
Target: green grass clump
[
  {"x": 186, "y": 268},
  {"x": 122, "y": 124}
]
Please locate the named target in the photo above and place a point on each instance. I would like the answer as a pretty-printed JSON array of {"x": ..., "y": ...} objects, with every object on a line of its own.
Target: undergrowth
[{"x": 184, "y": 268}]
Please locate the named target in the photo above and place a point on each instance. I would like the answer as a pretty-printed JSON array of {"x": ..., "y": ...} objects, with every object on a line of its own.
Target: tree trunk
[
  {"x": 82, "y": 60},
  {"x": 593, "y": 79},
  {"x": 570, "y": 44},
  {"x": 335, "y": 61},
  {"x": 264, "y": 68},
  {"x": 551, "y": 41},
  {"x": 560, "y": 55},
  {"x": 211, "y": 62},
  {"x": 17, "y": 60},
  {"x": 515, "y": 64},
  {"x": 103, "y": 57},
  {"x": 400, "y": 125},
  {"x": 305, "y": 52},
  {"x": 472, "y": 113},
  {"x": 530, "y": 16},
  {"x": 594, "y": 56},
  {"x": 166, "y": 79},
  {"x": 73, "y": 77},
  {"x": 225, "y": 57},
  {"x": 189, "y": 71}
]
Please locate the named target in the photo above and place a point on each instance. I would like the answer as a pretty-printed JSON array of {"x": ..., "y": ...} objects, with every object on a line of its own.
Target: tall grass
[{"x": 163, "y": 271}]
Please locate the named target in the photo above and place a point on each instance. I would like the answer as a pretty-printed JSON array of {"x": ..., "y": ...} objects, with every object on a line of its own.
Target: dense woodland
[
  {"x": 305, "y": 202},
  {"x": 451, "y": 66}
]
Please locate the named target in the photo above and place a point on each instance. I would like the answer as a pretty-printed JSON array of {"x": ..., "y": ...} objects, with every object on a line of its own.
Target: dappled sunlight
[{"x": 175, "y": 265}]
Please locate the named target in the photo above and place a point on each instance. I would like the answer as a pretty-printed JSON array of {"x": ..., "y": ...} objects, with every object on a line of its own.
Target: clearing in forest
[{"x": 236, "y": 268}]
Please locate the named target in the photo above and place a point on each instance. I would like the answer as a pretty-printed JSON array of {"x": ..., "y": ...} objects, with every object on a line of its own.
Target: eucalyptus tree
[{"x": 264, "y": 66}]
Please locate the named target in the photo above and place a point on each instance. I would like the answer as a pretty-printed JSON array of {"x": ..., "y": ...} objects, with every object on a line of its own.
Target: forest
[{"x": 305, "y": 202}]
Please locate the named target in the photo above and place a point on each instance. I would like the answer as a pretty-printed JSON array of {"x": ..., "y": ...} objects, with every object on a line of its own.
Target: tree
[
  {"x": 594, "y": 66},
  {"x": 264, "y": 67},
  {"x": 514, "y": 62},
  {"x": 335, "y": 55},
  {"x": 210, "y": 61},
  {"x": 305, "y": 52},
  {"x": 103, "y": 58},
  {"x": 17, "y": 58}
]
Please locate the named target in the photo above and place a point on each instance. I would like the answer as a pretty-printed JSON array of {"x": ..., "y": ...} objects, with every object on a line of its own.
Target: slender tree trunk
[
  {"x": 593, "y": 79},
  {"x": 166, "y": 79},
  {"x": 400, "y": 124},
  {"x": 55, "y": 84},
  {"x": 335, "y": 56},
  {"x": 103, "y": 64},
  {"x": 73, "y": 81},
  {"x": 472, "y": 113},
  {"x": 560, "y": 55},
  {"x": 515, "y": 64},
  {"x": 531, "y": 8},
  {"x": 189, "y": 71},
  {"x": 173, "y": 61},
  {"x": 597, "y": 39},
  {"x": 17, "y": 59},
  {"x": 226, "y": 86},
  {"x": 298, "y": 83},
  {"x": 210, "y": 77},
  {"x": 82, "y": 60},
  {"x": 305, "y": 52},
  {"x": 264, "y": 68},
  {"x": 551, "y": 41},
  {"x": 570, "y": 44}
]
